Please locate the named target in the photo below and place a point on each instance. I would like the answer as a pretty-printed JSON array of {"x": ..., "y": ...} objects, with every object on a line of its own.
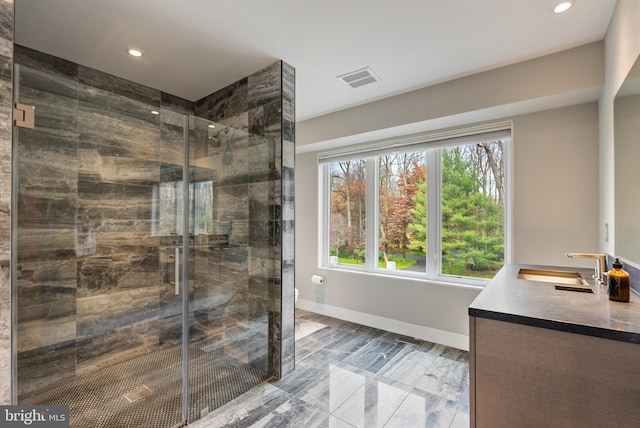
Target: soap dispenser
[{"x": 618, "y": 282}]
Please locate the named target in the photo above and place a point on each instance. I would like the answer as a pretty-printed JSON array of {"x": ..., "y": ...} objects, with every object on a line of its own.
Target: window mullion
[
  {"x": 372, "y": 213},
  {"x": 324, "y": 215},
  {"x": 434, "y": 209}
]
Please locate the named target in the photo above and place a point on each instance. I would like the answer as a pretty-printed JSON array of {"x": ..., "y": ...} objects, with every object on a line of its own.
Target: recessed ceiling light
[
  {"x": 563, "y": 6},
  {"x": 134, "y": 52},
  {"x": 212, "y": 126},
  {"x": 154, "y": 112}
]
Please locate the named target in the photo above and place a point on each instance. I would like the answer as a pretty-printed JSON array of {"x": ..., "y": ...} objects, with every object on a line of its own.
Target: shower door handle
[{"x": 177, "y": 271}]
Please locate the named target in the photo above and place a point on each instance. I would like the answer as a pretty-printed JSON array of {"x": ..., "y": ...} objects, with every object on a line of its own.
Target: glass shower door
[
  {"x": 144, "y": 267},
  {"x": 99, "y": 323},
  {"x": 229, "y": 301}
]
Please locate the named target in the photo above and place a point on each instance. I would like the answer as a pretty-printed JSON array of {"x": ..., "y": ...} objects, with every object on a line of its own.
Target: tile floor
[{"x": 349, "y": 375}]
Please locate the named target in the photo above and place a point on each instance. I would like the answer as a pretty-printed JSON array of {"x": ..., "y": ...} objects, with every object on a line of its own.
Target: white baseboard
[{"x": 455, "y": 340}]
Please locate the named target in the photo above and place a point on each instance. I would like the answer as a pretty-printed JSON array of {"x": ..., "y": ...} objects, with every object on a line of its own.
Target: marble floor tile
[
  {"x": 374, "y": 355},
  {"x": 461, "y": 419},
  {"x": 374, "y": 403},
  {"x": 332, "y": 392},
  {"x": 306, "y": 375},
  {"x": 247, "y": 410},
  {"x": 421, "y": 409},
  {"x": 316, "y": 341},
  {"x": 446, "y": 378},
  {"x": 306, "y": 327},
  {"x": 408, "y": 366},
  {"x": 294, "y": 413},
  {"x": 349, "y": 376}
]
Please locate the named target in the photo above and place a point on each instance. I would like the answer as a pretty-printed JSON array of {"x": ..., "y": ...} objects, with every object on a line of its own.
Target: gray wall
[
  {"x": 6, "y": 70},
  {"x": 554, "y": 167}
]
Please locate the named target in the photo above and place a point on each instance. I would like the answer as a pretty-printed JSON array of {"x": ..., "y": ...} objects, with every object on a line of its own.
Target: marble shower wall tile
[
  {"x": 124, "y": 90},
  {"x": 6, "y": 102},
  {"x": 46, "y": 210},
  {"x": 52, "y": 65},
  {"x": 176, "y": 104},
  {"x": 107, "y": 274},
  {"x": 224, "y": 104},
  {"x": 43, "y": 366},
  {"x": 287, "y": 195},
  {"x": 265, "y": 86},
  {"x": 245, "y": 149}
]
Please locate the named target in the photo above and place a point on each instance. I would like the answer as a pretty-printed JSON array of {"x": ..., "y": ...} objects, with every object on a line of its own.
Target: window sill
[{"x": 416, "y": 278}]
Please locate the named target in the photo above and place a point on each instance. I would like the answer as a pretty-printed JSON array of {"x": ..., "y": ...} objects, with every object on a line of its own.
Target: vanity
[{"x": 548, "y": 348}]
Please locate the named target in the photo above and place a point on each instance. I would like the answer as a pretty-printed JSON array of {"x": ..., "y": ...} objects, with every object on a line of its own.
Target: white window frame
[{"x": 432, "y": 144}]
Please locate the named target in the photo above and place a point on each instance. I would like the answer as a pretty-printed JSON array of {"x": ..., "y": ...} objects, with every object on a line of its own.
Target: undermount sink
[{"x": 553, "y": 276}]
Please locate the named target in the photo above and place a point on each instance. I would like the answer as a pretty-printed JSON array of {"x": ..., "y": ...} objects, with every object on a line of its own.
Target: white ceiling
[{"x": 195, "y": 47}]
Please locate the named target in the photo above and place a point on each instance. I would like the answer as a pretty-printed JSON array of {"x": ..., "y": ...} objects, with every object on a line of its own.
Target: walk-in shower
[{"x": 152, "y": 259}]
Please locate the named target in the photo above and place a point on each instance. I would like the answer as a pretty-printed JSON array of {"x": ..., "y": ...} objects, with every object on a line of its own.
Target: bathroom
[
  {"x": 577, "y": 119},
  {"x": 116, "y": 315}
]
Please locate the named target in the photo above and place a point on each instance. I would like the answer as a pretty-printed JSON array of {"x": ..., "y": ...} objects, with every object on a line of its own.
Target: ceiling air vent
[{"x": 358, "y": 78}]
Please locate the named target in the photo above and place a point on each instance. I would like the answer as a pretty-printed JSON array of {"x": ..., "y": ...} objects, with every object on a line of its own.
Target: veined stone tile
[
  {"x": 125, "y": 90},
  {"x": 131, "y": 127},
  {"x": 46, "y": 281},
  {"x": 294, "y": 413},
  {"x": 53, "y": 311},
  {"x": 42, "y": 241},
  {"x": 105, "y": 313},
  {"x": 332, "y": 392},
  {"x": 261, "y": 162},
  {"x": 305, "y": 328},
  {"x": 27, "y": 57},
  {"x": 6, "y": 23},
  {"x": 266, "y": 121},
  {"x": 100, "y": 163},
  {"x": 6, "y": 70},
  {"x": 5, "y": 333},
  {"x": 421, "y": 409},
  {"x": 260, "y": 206},
  {"x": 54, "y": 97},
  {"x": 265, "y": 86},
  {"x": 253, "y": 406},
  {"x": 176, "y": 104},
  {"x": 41, "y": 367},
  {"x": 306, "y": 376},
  {"x": 374, "y": 355},
  {"x": 227, "y": 102},
  {"x": 124, "y": 269},
  {"x": 446, "y": 378},
  {"x": 238, "y": 122},
  {"x": 288, "y": 163},
  {"x": 288, "y": 82},
  {"x": 288, "y": 123},
  {"x": 36, "y": 334},
  {"x": 373, "y": 404},
  {"x": 117, "y": 346},
  {"x": 288, "y": 240},
  {"x": 231, "y": 203},
  {"x": 408, "y": 366}
]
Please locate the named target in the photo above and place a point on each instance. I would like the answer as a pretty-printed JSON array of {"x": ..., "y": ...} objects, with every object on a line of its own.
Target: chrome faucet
[{"x": 601, "y": 265}]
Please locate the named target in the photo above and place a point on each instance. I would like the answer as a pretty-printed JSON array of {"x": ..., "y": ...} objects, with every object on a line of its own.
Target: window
[{"x": 434, "y": 209}]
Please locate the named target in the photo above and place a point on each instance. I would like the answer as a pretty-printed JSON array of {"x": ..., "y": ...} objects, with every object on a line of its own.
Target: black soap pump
[{"x": 618, "y": 283}]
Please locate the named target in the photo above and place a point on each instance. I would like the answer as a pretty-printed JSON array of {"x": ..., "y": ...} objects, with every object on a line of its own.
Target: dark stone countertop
[{"x": 539, "y": 304}]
